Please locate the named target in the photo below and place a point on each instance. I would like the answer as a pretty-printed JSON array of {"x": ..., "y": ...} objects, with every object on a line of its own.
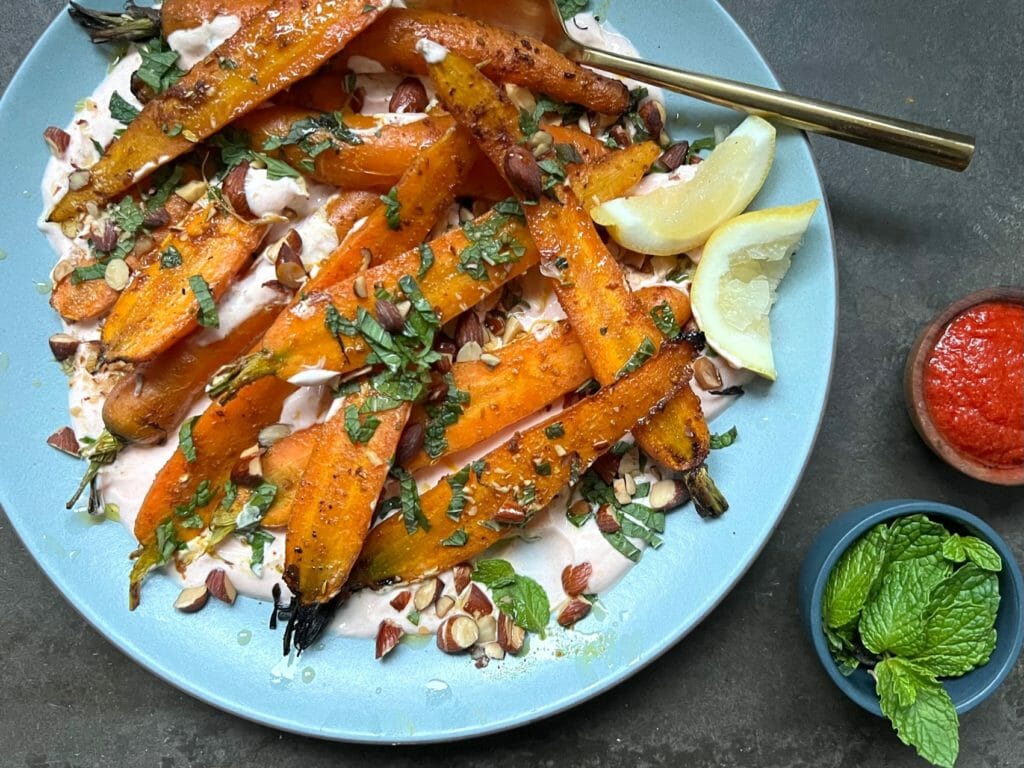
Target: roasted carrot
[
  {"x": 346, "y": 208},
  {"x": 594, "y": 183},
  {"x": 90, "y": 299},
  {"x": 331, "y": 512},
  {"x": 189, "y": 14},
  {"x": 151, "y": 401},
  {"x": 324, "y": 92},
  {"x": 271, "y": 51},
  {"x": 384, "y": 153},
  {"x": 220, "y": 435},
  {"x": 652, "y": 298},
  {"x": 616, "y": 334},
  {"x": 509, "y": 481},
  {"x": 160, "y": 306},
  {"x": 283, "y": 465},
  {"x": 502, "y": 55},
  {"x": 404, "y": 219}
]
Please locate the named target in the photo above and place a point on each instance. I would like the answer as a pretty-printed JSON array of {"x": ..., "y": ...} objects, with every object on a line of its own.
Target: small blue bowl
[{"x": 967, "y": 691}]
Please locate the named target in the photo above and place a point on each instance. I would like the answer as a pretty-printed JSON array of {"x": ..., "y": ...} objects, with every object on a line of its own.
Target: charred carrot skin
[
  {"x": 302, "y": 36},
  {"x": 590, "y": 284},
  {"x": 91, "y": 299},
  {"x": 159, "y": 306},
  {"x": 509, "y": 478},
  {"x": 502, "y": 55},
  {"x": 149, "y": 403},
  {"x": 332, "y": 508}
]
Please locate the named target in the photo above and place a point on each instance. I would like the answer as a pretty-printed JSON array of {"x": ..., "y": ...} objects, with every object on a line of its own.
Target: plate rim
[{"x": 650, "y": 653}]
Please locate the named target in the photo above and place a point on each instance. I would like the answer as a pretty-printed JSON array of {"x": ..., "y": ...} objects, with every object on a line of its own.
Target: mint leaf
[
  {"x": 840, "y": 644},
  {"x": 893, "y": 620},
  {"x": 958, "y": 632},
  {"x": 953, "y": 549},
  {"x": 852, "y": 578},
  {"x": 915, "y": 536},
  {"x": 920, "y": 710},
  {"x": 526, "y": 602},
  {"x": 981, "y": 554},
  {"x": 494, "y": 573}
]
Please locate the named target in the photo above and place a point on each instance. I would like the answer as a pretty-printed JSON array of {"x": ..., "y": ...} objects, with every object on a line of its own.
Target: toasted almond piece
[
  {"x": 668, "y": 494},
  {"x": 575, "y": 610},
  {"x": 273, "y": 433},
  {"x": 607, "y": 466},
  {"x": 427, "y": 594},
  {"x": 621, "y": 491},
  {"x": 64, "y": 440},
  {"x": 409, "y": 96},
  {"x": 457, "y": 633},
  {"x": 410, "y": 443},
  {"x": 444, "y": 605},
  {"x": 220, "y": 586},
  {"x": 463, "y": 574},
  {"x": 475, "y": 602},
  {"x": 510, "y": 514},
  {"x": 493, "y": 650},
  {"x": 606, "y": 520},
  {"x": 399, "y": 601},
  {"x": 575, "y": 578},
  {"x": 511, "y": 636},
  {"x": 57, "y": 139},
  {"x": 233, "y": 189},
  {"x": 706, "y": 374},
  {"x": 388, "y": 635},
  {"x": 579, "y": 508},
  {"x": 78, "y": 179},
  {"x": 192, "y": 599},
  {"x": 488, "y": 627},
  {"x": 192, "y": 190}
]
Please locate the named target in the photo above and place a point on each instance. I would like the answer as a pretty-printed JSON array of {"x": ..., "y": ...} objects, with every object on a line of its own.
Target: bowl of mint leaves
[{"x": 914, "y": 609}]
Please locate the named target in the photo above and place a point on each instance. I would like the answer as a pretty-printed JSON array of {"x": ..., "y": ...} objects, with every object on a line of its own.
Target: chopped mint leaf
[
  {"x": 851, "y": 580},
  {"x": 185, "y": 440},
  {"x": 121, "y": 110},
  {"x": 554, "y": 431},
  {"x": 665, "y": 319},
  {"x": 526, "y": 602},
  {"x": 643, "y": 353},
  {"x": 207, "y": 314},
  {"x": 490, "y": 244},
  {"x": 170, "y": 258},
  {"x": 457, "y": 539},
  {"x": 441, "y": 416},
  {"x": 159, "y": 68},
  {"x": 457, "y": 483},
  {"x": 569, "y": 8},
  {"x": 724, "y": 440},
  {"x": 392, "y": 208},
  {"x": 920, "y": 710},
  {"x": 89, "y": 272},
  {"x": 359, "y": 431},
  {"x": 412, "y": 511},
  {"x": 257, "y": 540},
  {"x": 426, "y": 260},
  {"x": 256, "y": 506}
]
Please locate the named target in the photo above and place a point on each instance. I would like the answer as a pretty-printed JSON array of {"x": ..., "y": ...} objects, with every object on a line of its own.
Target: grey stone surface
[{"x": 743, "y": 689}]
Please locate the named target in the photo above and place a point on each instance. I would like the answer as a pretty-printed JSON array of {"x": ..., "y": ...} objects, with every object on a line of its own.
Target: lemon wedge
[
  {"x": 736, "y": 280},
  {"x": 680, "y": 217}
]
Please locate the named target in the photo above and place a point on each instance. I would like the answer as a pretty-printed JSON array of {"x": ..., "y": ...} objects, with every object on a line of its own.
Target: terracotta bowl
[{"x": 913, "y": 389}]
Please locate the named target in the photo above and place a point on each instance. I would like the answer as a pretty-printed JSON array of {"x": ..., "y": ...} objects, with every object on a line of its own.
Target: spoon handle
[{"x": 899, "y": 137}]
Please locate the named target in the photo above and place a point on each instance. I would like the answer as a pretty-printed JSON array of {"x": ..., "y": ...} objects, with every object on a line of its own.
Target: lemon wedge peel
[
  {"x": 680, "y": 217},
  {"x": 736, "y": 282}
]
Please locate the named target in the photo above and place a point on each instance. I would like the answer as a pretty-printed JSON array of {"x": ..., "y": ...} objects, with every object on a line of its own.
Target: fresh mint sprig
[{"x": 914, "y": 603}]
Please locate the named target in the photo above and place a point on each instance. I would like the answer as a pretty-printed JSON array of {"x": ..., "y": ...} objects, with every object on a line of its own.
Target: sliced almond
[
  {"x": 63, "y": 346},
  {"x": 606, "y": 520},
  {"x": 621, "y": 492},
  {"x": 575, "y": 578},
  {"x": 64, "y": 440},
  {"x": 463, "y": 574},
  {"x": 117, "y": 274},
  {"x": 575, "y": 610},
  {"x": 388, "y": 635},
  {"x": 457, "y": 633},
  {"x": 399, "y": 601},
  {"x": 444, "y": 605},
  {"x": 488, "y": 629},
  {"x": 192, "y": 599},
  {"x": 511, "y": 636},
  {"x": 220, "y": 586},
  {"x": 668, "y": 494},
  {"x": 57, "y": 139},
  {"x": 427, "y": 594},
  {"x": 475, "y": 602}
]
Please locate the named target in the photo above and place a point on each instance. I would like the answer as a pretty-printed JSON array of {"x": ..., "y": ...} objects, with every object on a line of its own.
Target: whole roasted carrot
[
  {"x": 271, "y": 51},
  {"x": 502, "y": 55},
  {"x": 506, "y": 485},
  {"x": 162, "y": 304},
  {"x": 332, "y": 508},
  {"x": 617, "y": 335}
]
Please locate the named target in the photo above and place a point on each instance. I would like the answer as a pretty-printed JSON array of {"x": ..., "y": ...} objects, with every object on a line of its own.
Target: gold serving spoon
[{"x": 541, "y": 19}]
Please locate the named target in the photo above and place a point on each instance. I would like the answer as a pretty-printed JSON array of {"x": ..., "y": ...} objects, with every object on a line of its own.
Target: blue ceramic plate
[{"x": 226, "y": 656}]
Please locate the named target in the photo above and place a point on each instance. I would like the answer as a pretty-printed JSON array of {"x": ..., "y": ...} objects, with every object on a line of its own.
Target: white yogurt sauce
[{"x": 550, "y": 543}]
